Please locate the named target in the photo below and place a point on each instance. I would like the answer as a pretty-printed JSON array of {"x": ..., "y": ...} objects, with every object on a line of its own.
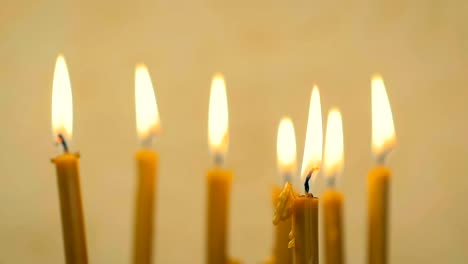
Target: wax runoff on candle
[
  {"x": 286, "y": 156},
  {"x": 332, "y": 200},
  {"x": 304, "y": 209},
  {"x": 303, "y": 212},
  {"x": 67, "y": 167},
  {"x": 148, "y": 124},
  {"x": 379, "y": 178},
  {"x": 282, "y": 254}
]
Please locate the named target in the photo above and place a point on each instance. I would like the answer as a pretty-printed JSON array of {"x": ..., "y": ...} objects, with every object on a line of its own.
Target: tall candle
[
  {"x": 68, "y": 177},
  {"x": 304, "y": 208},
  {"x": 219, "y": 179},
  {"x": 305, "y": 229},
  {"x": 148, "y": 124},
  {"x": 286, "y": 155},
  {"x": 378, "y": 183},
  {"x": 332, "y": 200}
]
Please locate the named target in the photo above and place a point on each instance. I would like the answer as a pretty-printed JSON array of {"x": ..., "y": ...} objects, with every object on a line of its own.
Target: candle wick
[
  {"x": 331, "y": 181},
  {"x": 63, "y": 142},
  {"x": 147, "y": 141},
  {"x": 306, "y": 184},
  {"x": 218, "y": 159},
  {"x": 382, "y": 157}
]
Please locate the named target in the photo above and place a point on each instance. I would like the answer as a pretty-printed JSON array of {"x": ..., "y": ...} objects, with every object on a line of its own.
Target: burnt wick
[{"x": 63, "y": 142}]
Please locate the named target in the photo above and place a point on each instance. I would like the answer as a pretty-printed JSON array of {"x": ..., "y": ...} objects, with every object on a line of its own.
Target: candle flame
[
  {"x": 62, "y": 101},
  {"x": 313, "y": 143},
  {"x": 146, "y": 108},
  {"x": 218, "y": 117},
  {"x": 333, "y": 162},
  {"x": 286, "y": 147},
  {"x": 383, "y": 131}
]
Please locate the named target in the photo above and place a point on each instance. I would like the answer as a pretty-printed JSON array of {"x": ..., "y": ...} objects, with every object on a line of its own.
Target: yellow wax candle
[
  {"x": 219, "y": 180},
  {"x": 305, "y": 229},
  {"x": 148, "y": 124},
  {"x": 219, "y": 183},
  {"x": 71, "y": 207},
  {"x": 68, "y": 177},
  {"x": 332, "y": 200},
  {"x": 378, "y": 184},
  {"x": 304, "y": 208},
  {"x": 147, "y": 161},
  {"x": 286, "y": 156}
]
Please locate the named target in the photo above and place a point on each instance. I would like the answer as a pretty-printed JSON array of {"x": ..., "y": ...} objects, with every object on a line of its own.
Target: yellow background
[{"x": 271, "y": 53}]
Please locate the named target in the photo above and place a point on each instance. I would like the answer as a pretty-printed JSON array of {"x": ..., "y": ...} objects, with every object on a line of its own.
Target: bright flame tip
[
  {"x": 62, "y": 101},
  {"x": 286, "y": 147},
  {"x": 383, "y": 130},
  {"x": 218, "y": 117},
  {"x": 314, "y": 137},
  {"x": 146, "y": 108},
  {"x": 333, "y": 161}
]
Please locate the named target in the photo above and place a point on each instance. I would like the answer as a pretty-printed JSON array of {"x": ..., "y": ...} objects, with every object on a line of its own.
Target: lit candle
[
  {"x": 148, "y": 124},
  {"x": 378, "y": 184},
  {"x": 304, "y": 208},
  {"x": 332, "y": 200},
  {"x": 219, "y": 180},
  {"x": 286, "y": 155},
  {"x": 68, "y": 177}
]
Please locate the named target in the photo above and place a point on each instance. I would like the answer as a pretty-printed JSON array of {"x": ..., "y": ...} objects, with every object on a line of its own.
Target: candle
[
  {"x": 148, "y": 124},
  {"x": 378, "y": 184},
  {"x": 68, "y": 177},
  {"x": 219, "y": 180},
  {"x": 333, "y": 200},
  {"x": 286, "y": 155},
  {"x": 304, "y": 208}
]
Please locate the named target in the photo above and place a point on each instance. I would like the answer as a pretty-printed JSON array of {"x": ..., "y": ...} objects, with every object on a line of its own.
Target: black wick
[
  {"x": 306, "y": 183},
  {"x": 63, "y": 142}
]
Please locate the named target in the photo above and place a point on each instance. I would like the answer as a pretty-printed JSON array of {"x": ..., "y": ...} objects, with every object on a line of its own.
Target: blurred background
[{"x": 271, "y": 53}]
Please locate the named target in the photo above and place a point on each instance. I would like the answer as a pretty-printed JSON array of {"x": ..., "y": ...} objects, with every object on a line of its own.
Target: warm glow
[
  {"x": 333, "y": 160},
  {"x": 383, "y": 131},
  {"x": 286, "y": 147},
  {"x": 62, "y": 102},
  {"x": 147, "y": 115},
  {"x": 218, "y": 117},
  {"x": 313, "y": 143}
]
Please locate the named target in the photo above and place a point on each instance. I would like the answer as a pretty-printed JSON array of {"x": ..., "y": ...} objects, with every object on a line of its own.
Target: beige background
[{"x": 271, "y": 53}]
